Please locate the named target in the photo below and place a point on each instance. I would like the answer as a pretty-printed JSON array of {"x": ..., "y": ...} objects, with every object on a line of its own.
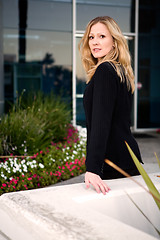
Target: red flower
[{"x": 4, "y": 185}]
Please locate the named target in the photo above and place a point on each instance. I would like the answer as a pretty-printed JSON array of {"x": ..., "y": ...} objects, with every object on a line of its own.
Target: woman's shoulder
[
  {"x": 105, "y": 71},
  {"x": 106, "y": 67}
]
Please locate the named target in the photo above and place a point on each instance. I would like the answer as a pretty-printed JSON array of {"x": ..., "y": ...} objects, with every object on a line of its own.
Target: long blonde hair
[{"x": 119, "y": 57}]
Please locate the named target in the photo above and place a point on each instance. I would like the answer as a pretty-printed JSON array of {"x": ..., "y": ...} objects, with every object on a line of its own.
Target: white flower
[
  {"x": 23, "y": 161},
  {"x": 41, "y": 165},
  {"x": 74, "y": 152}
]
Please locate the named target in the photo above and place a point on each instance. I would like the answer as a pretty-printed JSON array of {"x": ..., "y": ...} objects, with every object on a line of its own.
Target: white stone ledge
[{"x": 71, "y": 212}]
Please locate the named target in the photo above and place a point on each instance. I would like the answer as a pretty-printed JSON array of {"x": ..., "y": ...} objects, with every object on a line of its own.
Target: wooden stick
[{"x": 14, "y": 156}]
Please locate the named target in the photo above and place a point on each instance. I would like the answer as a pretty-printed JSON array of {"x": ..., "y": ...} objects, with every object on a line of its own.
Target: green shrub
[{"x": 32, "y": 124}]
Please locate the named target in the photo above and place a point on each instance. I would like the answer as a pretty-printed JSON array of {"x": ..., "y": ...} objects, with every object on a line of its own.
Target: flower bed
[{"x": 60, "y": 161}]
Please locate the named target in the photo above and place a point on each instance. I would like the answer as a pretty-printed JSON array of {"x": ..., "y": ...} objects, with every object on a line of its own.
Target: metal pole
[
  {"x": 74, "y": 62},
  {"x": 136, "y": 63}
]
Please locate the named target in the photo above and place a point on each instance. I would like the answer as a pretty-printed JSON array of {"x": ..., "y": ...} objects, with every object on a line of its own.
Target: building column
[{"x": 1, "y": 62}]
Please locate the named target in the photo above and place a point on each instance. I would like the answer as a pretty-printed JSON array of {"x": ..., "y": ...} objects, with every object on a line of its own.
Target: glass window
[
  {"x": 149, "y": 66},
  {"x": 80, "y": 87},
  {"x": 37, "y": 46},
  {"x": 121, "y": 11}
]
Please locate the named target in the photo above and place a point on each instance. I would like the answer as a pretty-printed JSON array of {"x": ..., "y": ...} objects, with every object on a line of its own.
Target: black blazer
[{"x": 107, "y": 104}]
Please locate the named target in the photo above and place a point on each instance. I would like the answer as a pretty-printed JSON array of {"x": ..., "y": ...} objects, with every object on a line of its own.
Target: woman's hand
[{"x": 96, "y": 181}]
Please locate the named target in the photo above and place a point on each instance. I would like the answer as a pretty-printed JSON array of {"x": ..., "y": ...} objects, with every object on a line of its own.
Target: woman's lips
[{"x": 96, "y": 49}]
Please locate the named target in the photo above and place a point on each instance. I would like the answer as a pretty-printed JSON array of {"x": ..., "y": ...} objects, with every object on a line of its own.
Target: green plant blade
[
  {"x": 143, "y": 213},
  {"x": 157, "y": 159},
  {"x": 149, "y": 183}
]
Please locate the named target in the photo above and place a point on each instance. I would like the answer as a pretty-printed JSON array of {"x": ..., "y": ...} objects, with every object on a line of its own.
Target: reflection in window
[
  {"x": 121, "y": 11},
  {"x": 149, "y": 66},
  {"x": 37, "y": 46}
]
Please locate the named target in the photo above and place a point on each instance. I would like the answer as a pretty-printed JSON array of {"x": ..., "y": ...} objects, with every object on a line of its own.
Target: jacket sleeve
[{"x": 103, "y": 102}]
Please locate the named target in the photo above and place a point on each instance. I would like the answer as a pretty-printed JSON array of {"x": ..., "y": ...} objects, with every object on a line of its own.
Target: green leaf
[
  {"x": 157, "y": 159},
  {"x": 153, "y": 190}
]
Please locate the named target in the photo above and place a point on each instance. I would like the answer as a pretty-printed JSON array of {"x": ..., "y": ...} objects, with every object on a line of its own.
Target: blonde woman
[{"x": 107, "y": 102}]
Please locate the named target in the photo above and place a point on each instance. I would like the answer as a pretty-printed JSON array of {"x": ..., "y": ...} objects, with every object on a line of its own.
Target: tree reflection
[{"x": 23, "y": 9}]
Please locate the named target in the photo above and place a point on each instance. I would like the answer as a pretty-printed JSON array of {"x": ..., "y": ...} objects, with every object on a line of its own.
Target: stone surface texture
[{"x": 74, "y": 212}]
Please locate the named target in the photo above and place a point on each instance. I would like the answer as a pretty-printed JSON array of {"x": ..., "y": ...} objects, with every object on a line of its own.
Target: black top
[{"x": 107, "y": 104}]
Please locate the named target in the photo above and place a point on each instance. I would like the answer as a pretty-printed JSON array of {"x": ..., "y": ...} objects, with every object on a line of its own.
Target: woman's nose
[{"x": 95, "y": 41}]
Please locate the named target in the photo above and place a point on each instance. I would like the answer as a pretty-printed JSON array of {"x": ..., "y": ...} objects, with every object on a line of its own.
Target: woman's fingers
[
  {"x": 97, "y": 182},
  {"x": 87, "y": 182}
]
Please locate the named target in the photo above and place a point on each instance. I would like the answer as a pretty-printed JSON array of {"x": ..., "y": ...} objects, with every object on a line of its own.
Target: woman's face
[{"x": 100, "y": 40}]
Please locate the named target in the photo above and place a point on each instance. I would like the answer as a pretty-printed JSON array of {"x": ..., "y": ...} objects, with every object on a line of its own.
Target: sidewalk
[{"x": 148, "y": 143}]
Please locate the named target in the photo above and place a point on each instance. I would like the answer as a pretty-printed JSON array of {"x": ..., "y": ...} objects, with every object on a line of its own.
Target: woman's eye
[
  {"x": 90, "y": 37},
  {"x": 102, "y": 36}
]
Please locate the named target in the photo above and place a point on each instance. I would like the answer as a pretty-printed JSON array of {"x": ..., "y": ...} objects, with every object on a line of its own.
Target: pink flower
[
  {"x": 75, "y": 161},
  {"x": 4, "y": 185},
  {"x": 59, "y": 173},
  {"x": 29, "y": 178},
  {"x": 41, "y": 152},
  {"x": 50, "y": 173},
  {"x": 14, "y": 187},
  {"x": 59, "y": 167},
  {"x": 63, "y": 167},
  {"x": 22, "y": 175}
]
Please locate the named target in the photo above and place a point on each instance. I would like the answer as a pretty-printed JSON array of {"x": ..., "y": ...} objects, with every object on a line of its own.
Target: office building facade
[{"x": 39, "y": 51}]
